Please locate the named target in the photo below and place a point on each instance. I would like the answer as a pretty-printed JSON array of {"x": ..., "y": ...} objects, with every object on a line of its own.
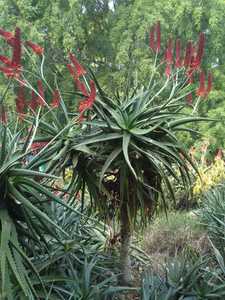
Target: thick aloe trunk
[{"x": 125, "y": 247}]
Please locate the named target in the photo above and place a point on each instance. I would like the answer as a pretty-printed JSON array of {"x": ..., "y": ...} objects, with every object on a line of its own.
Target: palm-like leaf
[{"x": 24, "y": 213}]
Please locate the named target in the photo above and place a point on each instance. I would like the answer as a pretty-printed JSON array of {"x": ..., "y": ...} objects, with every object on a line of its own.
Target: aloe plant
[
  {"x": 123, "y": 149},
  {"x": 25, "y": 215},
  {"x": 130, "y": 152},
  {"x": 45, "y": 244},
  {"x": 127, "y": 151},
  {"x": 212, "y": 215},
  {"x": 186, "y": 279}
]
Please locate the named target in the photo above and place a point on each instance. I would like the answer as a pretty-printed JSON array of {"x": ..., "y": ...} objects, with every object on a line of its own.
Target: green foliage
[
  {"x": 21, "y": 209},
  {"x": 45, "y": 244},
  {"x": 210, "y": 176},
  {"x": 130, "y": 145},
  {"x": 185, "y": 279},
  {"x": 213, "y": 215}
]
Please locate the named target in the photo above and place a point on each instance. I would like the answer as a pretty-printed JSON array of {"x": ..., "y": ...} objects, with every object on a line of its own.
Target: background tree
[{"x": 112, "y": 37}]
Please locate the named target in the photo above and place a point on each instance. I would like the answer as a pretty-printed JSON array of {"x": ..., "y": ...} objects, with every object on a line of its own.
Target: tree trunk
[{"x": 125, "y": 246}]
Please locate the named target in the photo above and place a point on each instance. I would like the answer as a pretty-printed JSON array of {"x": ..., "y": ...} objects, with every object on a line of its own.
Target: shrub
[
  {"x": 212, "y": 215},
  {"x": 210, "y": 176},
  {"x": 185, "y": 279},
  {"x": 211, "y": 171}
]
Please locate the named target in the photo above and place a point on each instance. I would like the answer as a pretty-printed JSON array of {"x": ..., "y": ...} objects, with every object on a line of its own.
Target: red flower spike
[
  {"x": 81, "y": 87},
  {"x": 33, "y": 103},
  {"x": 158, "y": 36},
  {"x": 209, "y": 86},
  {"x": 41, "y": 97},
  {"x": 152, "y": 39},
  {"x": 178, "y": 62},
  {"x": 168, "y": 70},
  {"x": 194, "y": 64},
  {"x": 169, "y": 52},
  {"x": 35, "y": 48},
  {"x": 188, "y": 54},
  {"x": 8, "y": 36},
  {"x": 55, "y": 99},
  {"x": 14, "y": 67},
  {"x": 79, "y": 68},
  {"x": 10, "y": 72},
  {"x": 200, "y": 51},
  {"x": 189, "y": 99},
  {"x": 11, "y": 42},
  {"x": 16, "y": 59},
  {"x": 20, "y": 101},
  {"x": 71, "y": 70},
  {"x": 190, "y": 76},
  {"x": 81, "y": 118},
  {"x": 6, "y": 60},
  {"x": 201, "y": 90},
  {"x": 84, "y": 105},
  {"x": 88, "y": 102}
]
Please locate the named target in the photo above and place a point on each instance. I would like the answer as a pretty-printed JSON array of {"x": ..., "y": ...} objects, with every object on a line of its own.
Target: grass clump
[{"x": 175, "y": 234}]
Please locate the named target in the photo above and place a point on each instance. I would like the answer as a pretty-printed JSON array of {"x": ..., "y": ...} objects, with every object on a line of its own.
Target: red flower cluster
[
  {"x": 13, "y": 66},
  {"x": 77, "y": 70},
  {"x": 5, "y": 60},
  {"x": 33, "y": 103},
  {"x": 155, "y": 37},
  {"x": 203, "y": 91},
  {"x": 191, "y": 60},
  {"x": 37, "y": 100},
  {"x": 55, "y": 99},
  {"x": 88, "y": 102},
  {"x": 81, "y": 87},
  {"x": 20, "y": 101},
  {"x": 200, "y": 52},
  {"x": 41, "y": 97},
  {"x": 169, "y": 57},
  {"x": 8, "y": 36},
  {"x": 16, "y": 58},
  {"x": 35, "y": 48}
]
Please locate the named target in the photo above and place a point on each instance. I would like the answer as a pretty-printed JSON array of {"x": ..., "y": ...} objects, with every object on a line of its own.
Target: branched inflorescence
[{"x": 189, "y": 59}]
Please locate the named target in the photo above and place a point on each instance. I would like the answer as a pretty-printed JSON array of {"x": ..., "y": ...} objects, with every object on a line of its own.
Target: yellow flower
[
  {"x": 209, "y": 177},
  {"x": 68, "y": 174}
]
